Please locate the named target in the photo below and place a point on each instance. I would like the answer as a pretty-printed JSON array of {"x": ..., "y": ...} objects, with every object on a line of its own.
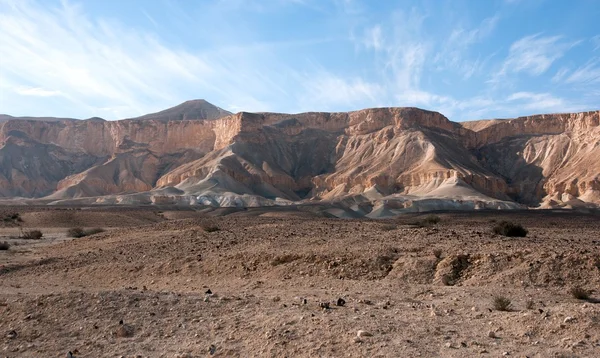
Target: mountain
[
  {"x": 375, "y": 162},
  {"x": 189, "y": 110}
]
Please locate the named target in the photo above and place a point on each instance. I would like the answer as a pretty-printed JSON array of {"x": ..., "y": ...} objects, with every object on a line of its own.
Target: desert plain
[{"x": 186, "y": 282}]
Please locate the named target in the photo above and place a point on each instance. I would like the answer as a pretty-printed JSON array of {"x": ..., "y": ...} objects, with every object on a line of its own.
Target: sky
[{"x": 468, "y": 59}]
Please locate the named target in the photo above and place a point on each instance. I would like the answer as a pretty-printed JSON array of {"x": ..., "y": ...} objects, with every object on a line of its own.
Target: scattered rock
[
  {"x": 492, "y": 334},
  {"x": 12, "y": 334},
  {"x": 505, "y": 353},
  {"x": 362, "y": 334},
  {"x": 324, "y": 305},
  {"x": 569, "y": 319},
  {"x": 340, "y": 302},
  {"x": 212, "y": 349},
  {"x": 208, "y": 292},
  {"x": 276, "y": 299}
]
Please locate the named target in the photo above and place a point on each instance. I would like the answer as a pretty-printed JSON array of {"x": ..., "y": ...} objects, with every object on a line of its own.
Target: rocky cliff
[{"x": 197, "y": 153}]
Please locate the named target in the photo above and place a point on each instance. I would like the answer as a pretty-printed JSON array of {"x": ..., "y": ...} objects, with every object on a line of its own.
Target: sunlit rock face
[{"x": 197, "y": 150}]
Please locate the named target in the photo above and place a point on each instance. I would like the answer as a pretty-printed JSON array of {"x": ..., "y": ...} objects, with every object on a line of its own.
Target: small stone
[
  {"x": 324, "y": 305},
  {"x": 12, "y": 334},
  {"x": 212, "y": 349},
  {"x": 569, "y": 319},
  {"x": 362, "y": 334},
  {"x": 208, "y": 292},
  {"x": 492, "y": 334},
  {"x": 505, "y": 353},
  {"x": 276, "y": 299},
  {"x": 340, "y": 302}
]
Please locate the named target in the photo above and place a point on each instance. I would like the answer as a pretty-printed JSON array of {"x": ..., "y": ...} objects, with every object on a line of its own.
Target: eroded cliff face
[
  {"x": 548, "y": 160},
  {"x": 544, "y": 158}
]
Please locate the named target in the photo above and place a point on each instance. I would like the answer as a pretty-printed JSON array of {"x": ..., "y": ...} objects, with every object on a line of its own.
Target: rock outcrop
[{"x": 391, "y": 158}]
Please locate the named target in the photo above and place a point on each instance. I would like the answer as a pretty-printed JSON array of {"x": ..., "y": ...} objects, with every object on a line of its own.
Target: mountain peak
[{"x": 197, "y": 109}]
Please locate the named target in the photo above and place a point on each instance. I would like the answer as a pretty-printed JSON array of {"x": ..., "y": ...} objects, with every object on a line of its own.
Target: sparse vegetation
[
  {"x": 429, "y": 220},
  {"x": 32, "y": 235},
  {"x": 580, "y": 293},
  {"x": 510, "y": 229},
  {"x": 529, "y": 304},
  {"x": 4, "y": 246},
  {"x": 210, "y": 228},
  {"x": 388, "y": 227},
  {"x": 12, "y": 218},
  {"x": 501, "y": 303},
  {"x": 78, "y": 232}
]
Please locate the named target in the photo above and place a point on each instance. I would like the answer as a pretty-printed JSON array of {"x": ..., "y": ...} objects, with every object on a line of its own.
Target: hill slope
[{"x": 377, "y": 162}]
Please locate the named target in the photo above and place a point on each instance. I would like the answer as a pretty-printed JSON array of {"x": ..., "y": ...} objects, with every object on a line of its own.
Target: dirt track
[{"x": 419, "y": 291}]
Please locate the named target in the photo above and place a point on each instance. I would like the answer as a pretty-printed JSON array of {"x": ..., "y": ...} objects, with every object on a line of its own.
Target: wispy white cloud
[
  {"x": 37, "y": 92},
  {"x": 596, "y": 42},
  {"x": 454, "y": 53},
  {"x": 588, "y": 74},
  {"x": 106, "y": 69},
  {"x": 533, "y": 55}
]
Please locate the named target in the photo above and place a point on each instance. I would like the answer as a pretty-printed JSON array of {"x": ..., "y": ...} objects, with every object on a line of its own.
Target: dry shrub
[
  {"x": 78, "y": 232},
  {"x": 427, "y": 221},
  {"x": 284, "y": 259},
  {"x": 580, "y": 293},
  {"x": 210, "y": 228},
  {"x": 529, "y": 304},
  {"x": 507, "y": 228},
  {"x": 501, "y": 303},
  {"x": 32, "y": 235},
  {"x": 388, "y": 227}
]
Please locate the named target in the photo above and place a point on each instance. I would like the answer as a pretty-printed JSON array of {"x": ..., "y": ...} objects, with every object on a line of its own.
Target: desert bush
[
  {"x": 32, "y": 235},
  {"x": 210, "y": 228},
  {"x": 78, "y": 232},
  {"x": 432, "y": 219},
  {"x": 429, "y": 220},
  {"x": 529, "y": 304},
  {"x": 501, "y": 303},
  {"x": 93, "y": 231},
  {"x": 580, "y": 293},
  {"x": 15, "y": 217},
  {"x": 4, "y": 246},
  {"x": 388, "y": 227},
  {"x": 507, "y": 228}
]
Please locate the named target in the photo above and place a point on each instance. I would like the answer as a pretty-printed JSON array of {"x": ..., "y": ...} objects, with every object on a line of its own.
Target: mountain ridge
[{"x": 389, "y": 159}]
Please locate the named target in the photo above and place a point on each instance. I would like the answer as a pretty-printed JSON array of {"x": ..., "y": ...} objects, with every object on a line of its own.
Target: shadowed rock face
[{"x": 198, "y": 153}]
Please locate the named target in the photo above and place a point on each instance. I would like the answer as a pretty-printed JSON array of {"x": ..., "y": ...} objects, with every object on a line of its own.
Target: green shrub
[{"x": 507, "y": 228}]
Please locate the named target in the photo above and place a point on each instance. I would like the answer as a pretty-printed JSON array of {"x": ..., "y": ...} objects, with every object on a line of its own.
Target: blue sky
[{"x": 466, "y": 59}]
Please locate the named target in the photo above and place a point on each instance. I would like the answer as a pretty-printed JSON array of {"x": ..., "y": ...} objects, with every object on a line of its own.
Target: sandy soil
[{"x": 413, "y": 291}]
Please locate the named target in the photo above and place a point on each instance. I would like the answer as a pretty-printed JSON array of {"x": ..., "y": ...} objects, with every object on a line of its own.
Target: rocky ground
[{"x": 254, "y": 283}]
